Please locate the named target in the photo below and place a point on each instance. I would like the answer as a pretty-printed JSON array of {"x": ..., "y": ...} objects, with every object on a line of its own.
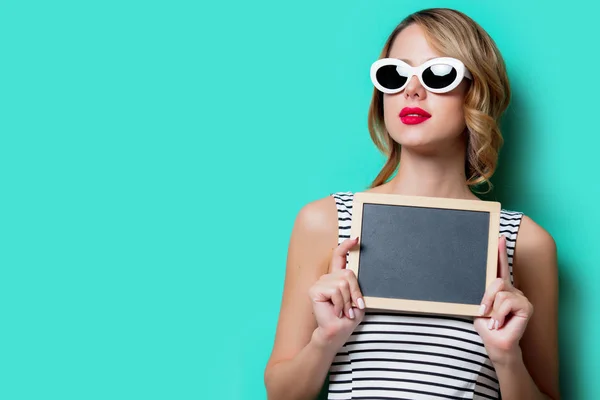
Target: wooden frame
[{"x": 493, "y": 208}]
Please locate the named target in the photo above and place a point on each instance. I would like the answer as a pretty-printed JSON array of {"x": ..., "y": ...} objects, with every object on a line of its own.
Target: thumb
[{"x": 338, "y": 259}]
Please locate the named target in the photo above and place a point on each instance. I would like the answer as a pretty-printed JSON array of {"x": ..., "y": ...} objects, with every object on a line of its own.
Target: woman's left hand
[{"x": 505, "y": 316}]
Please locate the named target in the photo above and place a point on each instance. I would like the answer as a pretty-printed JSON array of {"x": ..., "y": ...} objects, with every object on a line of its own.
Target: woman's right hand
[{"x": 335, "y": 297}]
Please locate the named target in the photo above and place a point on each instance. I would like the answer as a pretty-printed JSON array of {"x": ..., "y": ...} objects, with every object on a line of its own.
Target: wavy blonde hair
[{"x": 451, "y": 33}]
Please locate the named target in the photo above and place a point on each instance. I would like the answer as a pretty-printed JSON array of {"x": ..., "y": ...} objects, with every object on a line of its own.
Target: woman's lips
[{"x": 413, "y": 115}]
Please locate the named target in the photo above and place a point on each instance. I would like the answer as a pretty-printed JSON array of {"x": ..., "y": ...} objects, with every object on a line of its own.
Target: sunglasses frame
[{"x": 461, "y": 72}]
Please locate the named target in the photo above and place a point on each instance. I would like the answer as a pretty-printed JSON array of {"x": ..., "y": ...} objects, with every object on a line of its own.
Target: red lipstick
[{"x": 413, "y": 115}]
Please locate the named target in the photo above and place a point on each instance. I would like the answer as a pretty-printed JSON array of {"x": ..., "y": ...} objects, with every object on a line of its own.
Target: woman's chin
[
  {"x": 413, "y": 141},
  {"x": 425, "y": 146},
  {"x": 424, "y": 142}
]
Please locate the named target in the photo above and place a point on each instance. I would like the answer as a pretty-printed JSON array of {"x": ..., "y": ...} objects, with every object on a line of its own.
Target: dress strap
[{"x": 510, "y": 221}]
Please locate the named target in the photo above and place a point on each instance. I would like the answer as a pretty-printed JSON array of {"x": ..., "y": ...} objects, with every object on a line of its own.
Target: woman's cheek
[{"x": 392, "y": 122}]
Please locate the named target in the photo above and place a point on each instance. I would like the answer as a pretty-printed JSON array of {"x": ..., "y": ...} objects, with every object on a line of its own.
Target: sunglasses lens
[
  {"x": 439, "y": 76},
  {"x": 389, "y": 77}
]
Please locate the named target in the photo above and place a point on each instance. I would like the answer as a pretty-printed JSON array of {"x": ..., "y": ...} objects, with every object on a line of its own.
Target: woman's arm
[
  {"x": 535, "y": 271},
  {"x": 300, "y": 360},
  {"x": 531, "y": 371}
]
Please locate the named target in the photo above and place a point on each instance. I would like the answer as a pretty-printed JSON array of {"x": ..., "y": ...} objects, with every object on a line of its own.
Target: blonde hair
[{"x": 454, "y": 34}]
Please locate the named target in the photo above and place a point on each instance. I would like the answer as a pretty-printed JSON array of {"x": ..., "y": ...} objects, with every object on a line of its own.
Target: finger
[
  {"x": 503, "y": 269},
  {"x": 338, "y": 301},
  {"x": 497, "y": 285},
  {"x": 497, "y": 310},
  {"x": 511, "y": 304},
  {"x": 358, "y": 315},
  {"x": 357, "y": 297},
  {"x": 323, "y": 292},
  {"x": 338, "y": 259},
  {"x": 344, "y": 288}
]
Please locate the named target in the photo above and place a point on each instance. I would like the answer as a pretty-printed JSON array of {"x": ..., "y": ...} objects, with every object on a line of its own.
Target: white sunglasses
[{"x": 438, "y": 75}]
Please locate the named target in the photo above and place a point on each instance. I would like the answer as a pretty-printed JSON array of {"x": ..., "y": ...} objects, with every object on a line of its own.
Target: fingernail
[
  {"x": 496, "y": 325},
  {"x": 351, "y": 313},
  {"x": 482, "y": 309},
  {"x": 491, "y": 324},
  {"x": 361, "y": 303},
  {"x": 341, "y": 313}
]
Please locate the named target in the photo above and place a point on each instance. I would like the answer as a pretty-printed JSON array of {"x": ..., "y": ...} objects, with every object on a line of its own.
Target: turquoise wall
[{"x": 154, "y": 156}]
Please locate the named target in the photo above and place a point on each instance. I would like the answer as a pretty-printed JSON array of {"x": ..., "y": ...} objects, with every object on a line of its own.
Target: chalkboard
[{"x": 424, "y": 254}]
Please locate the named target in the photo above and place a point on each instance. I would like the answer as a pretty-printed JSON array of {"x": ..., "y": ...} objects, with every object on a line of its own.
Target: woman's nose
[{"x": 414, "y": 88}]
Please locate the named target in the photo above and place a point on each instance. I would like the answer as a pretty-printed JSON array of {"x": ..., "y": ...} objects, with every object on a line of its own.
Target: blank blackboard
[{"x": 424, "y": 254}]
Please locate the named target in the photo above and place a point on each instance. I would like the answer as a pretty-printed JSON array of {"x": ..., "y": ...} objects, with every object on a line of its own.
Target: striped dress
[{"x": 400, "y": 355}]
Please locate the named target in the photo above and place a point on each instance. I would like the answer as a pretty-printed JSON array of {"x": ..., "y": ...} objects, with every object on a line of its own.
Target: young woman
[{"x": 440, "y": 89}]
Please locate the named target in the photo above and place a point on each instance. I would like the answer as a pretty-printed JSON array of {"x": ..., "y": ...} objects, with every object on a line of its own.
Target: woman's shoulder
[
  {"x": 326, "y": 206},
  {"x": 535, "y": 256},
  {"x": 315, "y": 233},
  {"x": 319, "y": 218},
  {"x": 534, "y": 240}
]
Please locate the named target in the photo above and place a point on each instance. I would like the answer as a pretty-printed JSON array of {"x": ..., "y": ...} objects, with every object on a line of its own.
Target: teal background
[{"x": 153, "y": 156}]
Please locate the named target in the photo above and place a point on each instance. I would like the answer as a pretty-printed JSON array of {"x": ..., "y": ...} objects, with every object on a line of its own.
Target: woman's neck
[{"x": 430, "y": 175}]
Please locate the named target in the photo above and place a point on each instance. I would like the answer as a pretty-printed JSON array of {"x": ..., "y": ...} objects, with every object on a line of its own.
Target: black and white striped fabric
[{"x": 394, "y": 355}]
